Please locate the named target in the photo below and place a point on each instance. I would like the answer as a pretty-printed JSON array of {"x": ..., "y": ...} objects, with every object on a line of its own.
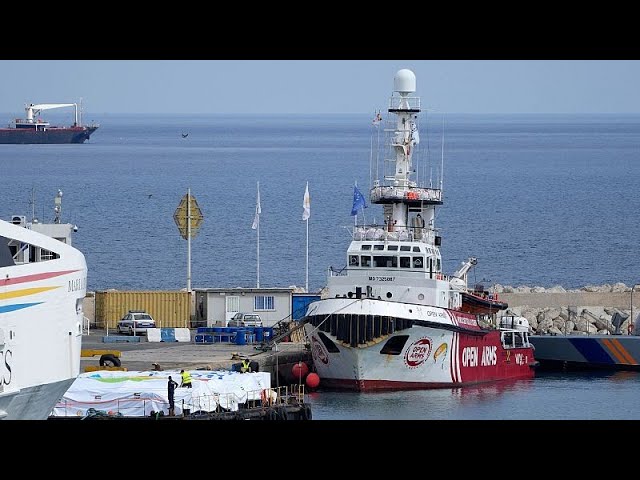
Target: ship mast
[{"x": 408, "y": 208}]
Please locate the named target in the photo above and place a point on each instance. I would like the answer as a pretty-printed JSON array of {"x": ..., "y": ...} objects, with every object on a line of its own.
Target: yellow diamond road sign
[{"x": 182, "y": 213}]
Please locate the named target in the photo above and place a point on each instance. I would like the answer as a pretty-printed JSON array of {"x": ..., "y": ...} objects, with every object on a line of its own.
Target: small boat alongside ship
[
  {"x": 391, "y": 319},
  {"x": 43, "y": 283},
  {"x": 34, "y": 130}
]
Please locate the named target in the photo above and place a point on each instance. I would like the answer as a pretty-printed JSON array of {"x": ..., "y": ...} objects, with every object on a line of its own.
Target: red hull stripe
[
  {"x": 372, "y": 385},
  {"x": 34, "y": 277}
]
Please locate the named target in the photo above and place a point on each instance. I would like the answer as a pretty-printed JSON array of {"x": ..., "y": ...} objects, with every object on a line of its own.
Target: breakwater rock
[{"x": 586, "y": 310}]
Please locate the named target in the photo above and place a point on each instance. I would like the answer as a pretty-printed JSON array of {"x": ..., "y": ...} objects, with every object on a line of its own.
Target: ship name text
[{"x": 471, "y": 357}]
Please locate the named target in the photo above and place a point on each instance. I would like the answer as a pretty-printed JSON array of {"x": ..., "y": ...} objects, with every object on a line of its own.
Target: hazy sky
[{"x": 321, "y": 86}]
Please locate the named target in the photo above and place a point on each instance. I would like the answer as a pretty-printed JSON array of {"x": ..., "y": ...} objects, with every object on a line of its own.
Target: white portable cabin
[{"x": 216, "y": 306}]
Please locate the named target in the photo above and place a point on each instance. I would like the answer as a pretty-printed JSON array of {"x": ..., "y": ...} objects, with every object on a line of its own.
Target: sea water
[{"x": 539, "y": 200}]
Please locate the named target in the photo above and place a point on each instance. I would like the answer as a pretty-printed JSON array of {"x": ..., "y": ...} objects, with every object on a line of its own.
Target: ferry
[{"x": 43, "y": 281}]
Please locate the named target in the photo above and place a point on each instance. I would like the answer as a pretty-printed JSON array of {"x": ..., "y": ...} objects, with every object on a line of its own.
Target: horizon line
[{"x": 347, "y": 113}]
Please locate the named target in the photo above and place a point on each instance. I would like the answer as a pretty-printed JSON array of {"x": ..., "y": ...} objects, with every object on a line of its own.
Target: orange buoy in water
[
  {"x": 313, "y": 380},
  {"x": 300, "y": 370}
]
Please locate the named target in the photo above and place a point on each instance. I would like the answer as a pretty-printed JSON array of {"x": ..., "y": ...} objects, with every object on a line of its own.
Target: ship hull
[
  {"x": 415, "y": 357},
  {"x": 18, "y": 136},
  {"x": 34, "y": 403},
  {"x": 41, "y": 320}
]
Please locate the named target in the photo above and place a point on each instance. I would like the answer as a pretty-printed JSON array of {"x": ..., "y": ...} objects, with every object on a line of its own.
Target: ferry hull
[
  {"x": 428, "y": 358},
  {"x": 33, "y": 403},
  {"x": 51, "y": 136},
  {"x": 41, "y": 316}
]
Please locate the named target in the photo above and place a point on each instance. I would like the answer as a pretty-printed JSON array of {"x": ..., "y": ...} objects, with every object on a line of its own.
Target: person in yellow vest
[
  {"x": 246, "y": 368},
  {"x": 186, "y": 379}
]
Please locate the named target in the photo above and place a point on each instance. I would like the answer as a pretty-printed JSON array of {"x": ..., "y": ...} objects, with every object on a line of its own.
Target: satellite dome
[{"x": 404, "y": 81}]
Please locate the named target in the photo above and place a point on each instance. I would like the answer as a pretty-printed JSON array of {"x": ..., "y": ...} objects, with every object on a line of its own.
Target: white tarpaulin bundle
[{"x": 137, "y": 394}]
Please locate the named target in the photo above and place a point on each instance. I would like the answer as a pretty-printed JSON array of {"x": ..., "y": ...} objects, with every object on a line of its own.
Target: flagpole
[
  {"x": 306, "y": 212},
  {"x": 258, "y": 246},
  {"x": 188, "y": 240}
]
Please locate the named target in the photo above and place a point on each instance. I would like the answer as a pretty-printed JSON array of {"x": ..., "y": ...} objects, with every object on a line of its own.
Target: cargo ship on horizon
[{"x": 34, "y": 130}]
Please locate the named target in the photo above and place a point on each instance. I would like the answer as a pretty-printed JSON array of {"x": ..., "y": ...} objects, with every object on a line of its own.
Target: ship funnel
[{"x": 404, "y": 82}]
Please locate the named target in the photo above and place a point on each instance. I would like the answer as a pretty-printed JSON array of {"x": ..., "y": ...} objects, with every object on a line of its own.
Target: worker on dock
[
  {"x": 171, "y": 388},
  {"x": 246, "y": 367},
  {"x": 186, "y": 379}
]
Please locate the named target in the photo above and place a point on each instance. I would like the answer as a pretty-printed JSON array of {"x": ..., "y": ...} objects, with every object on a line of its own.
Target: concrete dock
[{"x": 142, "y": 355}]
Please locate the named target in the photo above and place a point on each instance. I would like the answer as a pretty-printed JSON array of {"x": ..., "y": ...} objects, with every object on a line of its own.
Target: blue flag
[{"x": 358, "y": 201}]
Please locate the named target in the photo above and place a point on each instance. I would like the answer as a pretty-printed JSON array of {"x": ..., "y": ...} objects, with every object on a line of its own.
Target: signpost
[{"x": 188, "y": 218}]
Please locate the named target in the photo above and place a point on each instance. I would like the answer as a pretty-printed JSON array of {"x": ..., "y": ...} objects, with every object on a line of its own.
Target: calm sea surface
[{"x": 538, "y": 199}]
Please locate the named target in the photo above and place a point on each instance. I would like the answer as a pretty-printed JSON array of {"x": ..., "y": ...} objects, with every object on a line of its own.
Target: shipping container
[
  {"x": 170, "y": 309},
  {"x": 300, "y": 302}
]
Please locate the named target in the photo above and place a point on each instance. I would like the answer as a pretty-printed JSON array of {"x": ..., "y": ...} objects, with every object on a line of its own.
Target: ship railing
[
  {"x": 409, "y": 194},
  {"x": 396, "y": 234},
  {"x": 397, "y": 102},
  {"x": 332, "y": 272}
]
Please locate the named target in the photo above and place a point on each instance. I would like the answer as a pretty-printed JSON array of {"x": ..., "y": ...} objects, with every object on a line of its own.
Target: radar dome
[{"x": 404, "y": 81}]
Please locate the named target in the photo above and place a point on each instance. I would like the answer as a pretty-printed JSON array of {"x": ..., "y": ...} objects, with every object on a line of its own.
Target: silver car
[
  {"x": 136, "y": 322},
  {"x": 245, "y": 320}
]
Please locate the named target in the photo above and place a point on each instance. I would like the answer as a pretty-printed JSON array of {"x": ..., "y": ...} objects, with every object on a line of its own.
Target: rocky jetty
[{"x": 573, "y": 318}]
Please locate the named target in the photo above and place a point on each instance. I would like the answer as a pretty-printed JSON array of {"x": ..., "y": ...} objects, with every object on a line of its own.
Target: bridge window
[
  {"x": 366, "y": 260},
  {"x": 416, "y": 249},
  {"x": 366, "y": 247},
  {"x": 378, "y": 247},
  {"x": 418, "y": 262},
  {"x": 392, "y": 247},
  {"x": 405, "y": 262},
  {"x": 385, "y": 261},
  {"x": 354, "y": 260},
  {"x": 405, "y": 248}
]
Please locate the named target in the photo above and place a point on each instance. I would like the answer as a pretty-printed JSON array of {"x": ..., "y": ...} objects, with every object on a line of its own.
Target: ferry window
[
  {"x": 353, "y": 260},
  {"x": 378, "y": 247},
  {"x": 405, "y": 262},
  {"x": 392, "y": 247},
  {"x": 394, "y": 345},
  {"x": 47, "y": 255},
  {"x": 385, "y": 262},
  {"x": 418, "y": 262},
  {"x": 264, "y": 302},
  {"x": 366, "y": 247},
  {"x": 405, "y": 248},
  {"x": 438, "y": 264},
  {"x": 416, "y": 249},
  {"x": 366, "y": 260}
]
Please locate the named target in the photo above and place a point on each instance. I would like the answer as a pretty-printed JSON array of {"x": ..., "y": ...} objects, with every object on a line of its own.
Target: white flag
[
  {"x": 256, "y": 219},
  {"x": 306, "y": 204}
]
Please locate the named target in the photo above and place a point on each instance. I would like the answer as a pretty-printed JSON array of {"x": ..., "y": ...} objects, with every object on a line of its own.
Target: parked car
[
  {"x": 136, "y": 322},
  {"x": 245, "y": 320}
]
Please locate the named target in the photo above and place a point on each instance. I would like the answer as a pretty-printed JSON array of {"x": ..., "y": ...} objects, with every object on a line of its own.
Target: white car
[
  {"x": 245, "y": 320},
  {"x": 136, "y": 322}
]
